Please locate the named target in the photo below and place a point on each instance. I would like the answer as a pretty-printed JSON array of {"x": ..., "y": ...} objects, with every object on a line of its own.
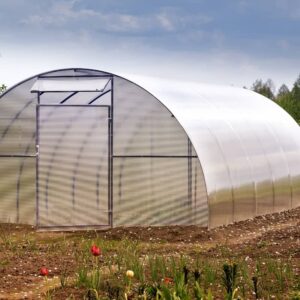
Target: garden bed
[{"x": 162, "y": 258}]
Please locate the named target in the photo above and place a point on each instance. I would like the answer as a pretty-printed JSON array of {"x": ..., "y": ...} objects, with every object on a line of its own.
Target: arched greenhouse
[{"x": 85, "y": 148}]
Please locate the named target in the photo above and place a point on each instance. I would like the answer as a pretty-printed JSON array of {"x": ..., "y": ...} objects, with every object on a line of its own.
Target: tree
[
  {"x": 266, "y": 89},
  {"x": 290, "y": 100},
  {"x": 296, "y": 89},
  {"x": 283, "y": 90},
  {"x": 290, "y": 105},
  {"x": 2, "y": 88}
]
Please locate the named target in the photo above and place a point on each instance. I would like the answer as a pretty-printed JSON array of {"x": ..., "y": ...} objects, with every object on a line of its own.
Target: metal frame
[
  {"x": 16, "y": 155},
  {"x": 99, "y": 96},
  {"x": 190, "y": 173},
  {"x": 67, "y": 98},
  {"x": 111, "y": 155},
  {"x": 110, "y": 151},
  {"x": 73, "y": 76},
  {"x": 155, "y": 156}
]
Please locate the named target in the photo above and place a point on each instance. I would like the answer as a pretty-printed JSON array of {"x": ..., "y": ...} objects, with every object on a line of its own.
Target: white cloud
[{"x": 66, "y": 13}]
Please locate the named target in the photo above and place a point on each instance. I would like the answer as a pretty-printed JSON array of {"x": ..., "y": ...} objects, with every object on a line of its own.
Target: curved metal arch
[{"x": 49, "y": 72}]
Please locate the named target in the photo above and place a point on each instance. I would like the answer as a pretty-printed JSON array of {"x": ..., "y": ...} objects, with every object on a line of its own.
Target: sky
[{"x": 231, "y": 42}]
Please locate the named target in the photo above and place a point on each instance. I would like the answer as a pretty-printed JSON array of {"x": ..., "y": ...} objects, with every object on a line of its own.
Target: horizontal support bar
[
  {"x": 154, "y": 156},
  {"x": 19, "y": 118},
  {"x": 75, "y": 76},
  {"x": 72, "y": 105},
  {"x": 16, "y": 155},
  {"x": 69, "y": 91}
]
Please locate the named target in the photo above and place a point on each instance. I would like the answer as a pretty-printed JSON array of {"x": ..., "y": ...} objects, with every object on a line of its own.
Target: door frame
[{"x": 109, "y": 171}]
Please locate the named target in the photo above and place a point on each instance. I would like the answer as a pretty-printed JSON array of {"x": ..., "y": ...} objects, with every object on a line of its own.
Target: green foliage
[
  {"x": 264, "y": 88},
  {"x": 288, "y": 100},
  {"x": 2, "y": 88},
  {"x": 296, "y": 89}
]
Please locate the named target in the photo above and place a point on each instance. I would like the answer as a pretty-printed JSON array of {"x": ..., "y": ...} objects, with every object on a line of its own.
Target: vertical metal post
[
  {"x": 37, "y": 159},
  {"x": 111, "y": 206},
  {"x": 190, "y": 173}
]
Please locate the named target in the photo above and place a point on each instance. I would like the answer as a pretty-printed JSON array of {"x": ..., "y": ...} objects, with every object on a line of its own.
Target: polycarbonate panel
[
  {"x": 17, "y": 122},
  {"x": 16, "y": 135},
  {"x": 142, "y": 125},
  {"x": 248, "y": 170},
  {"x": 17, "y": 190},
  {"x": 69, "y": 84},
  {"x": 76, "y": 99},
  {"x": 73, "y": 166},
  {"x": 155, "y": 191},
  {"x": 288, "y": 137}
]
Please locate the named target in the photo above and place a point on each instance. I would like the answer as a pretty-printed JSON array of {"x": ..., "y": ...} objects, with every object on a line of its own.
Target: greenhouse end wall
[{"x": 157, "y": 178}]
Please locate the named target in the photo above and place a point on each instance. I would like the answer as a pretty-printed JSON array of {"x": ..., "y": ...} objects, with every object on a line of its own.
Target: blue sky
[{"x": 218, "y": 41}]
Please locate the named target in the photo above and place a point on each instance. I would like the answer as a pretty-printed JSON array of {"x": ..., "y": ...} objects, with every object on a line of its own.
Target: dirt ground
[{"x": 24, "y": 251}]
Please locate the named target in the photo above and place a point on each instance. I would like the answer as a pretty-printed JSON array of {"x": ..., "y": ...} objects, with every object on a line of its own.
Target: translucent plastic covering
[
  {"x": 249, "y": 148},
  {"x": 74, "y": 84},
  {"x": 73, "y": 166},
  {"x": 156, "y": 179},
  {"x": 185, "y": 154}
]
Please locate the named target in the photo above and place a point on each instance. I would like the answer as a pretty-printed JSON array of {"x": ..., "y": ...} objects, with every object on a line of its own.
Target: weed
[
  {"x": 209, "y": 275},
  {"x": 200, "y": 294},
  {"x": 63, "y": 279}
]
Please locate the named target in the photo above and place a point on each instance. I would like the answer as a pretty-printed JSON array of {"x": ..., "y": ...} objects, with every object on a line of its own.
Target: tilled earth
[{"x": 24, "y": 251}]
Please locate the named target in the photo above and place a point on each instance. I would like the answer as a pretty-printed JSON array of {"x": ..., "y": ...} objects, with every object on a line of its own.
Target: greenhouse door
[{"x": 73, "y": 166}]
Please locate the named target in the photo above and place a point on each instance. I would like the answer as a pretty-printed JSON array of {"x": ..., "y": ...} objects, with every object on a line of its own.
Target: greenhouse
[{"x": 82, "y": 148}]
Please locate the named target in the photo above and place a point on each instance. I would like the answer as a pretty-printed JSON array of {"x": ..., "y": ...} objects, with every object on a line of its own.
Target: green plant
[
  {"x": 229, "y": 279},
  {"x": 63, "y": 279},
  {"x": 181, "y": 289},
  {"x": 282, "y": 273},
  {"x": 152, "y": 262},
  {"x": 200, "y": 293},
  {"x": 244, "y": 281},
  {"x": 6, "y": 237},
  {"x": 209, "y": 275}
]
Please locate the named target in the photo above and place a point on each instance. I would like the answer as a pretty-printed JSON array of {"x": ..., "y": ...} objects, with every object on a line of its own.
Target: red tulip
[
  {"x": 168, "y": 280},
  {"x": 44, "y": 271},
  {"x": 96, "y": 251}
]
